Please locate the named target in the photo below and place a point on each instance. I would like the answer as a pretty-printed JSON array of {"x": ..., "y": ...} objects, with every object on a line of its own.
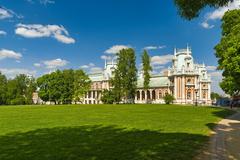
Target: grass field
[{"x": 105, "y": 132}]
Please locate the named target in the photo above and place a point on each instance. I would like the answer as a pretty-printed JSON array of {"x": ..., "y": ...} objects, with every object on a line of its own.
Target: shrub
[
  {"x": 108, "y": 97},
  {"x": 168, "y": 98}
]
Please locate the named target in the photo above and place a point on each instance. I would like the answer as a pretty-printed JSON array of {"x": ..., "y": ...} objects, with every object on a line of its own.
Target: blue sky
[{"x": 37, "y": 36}]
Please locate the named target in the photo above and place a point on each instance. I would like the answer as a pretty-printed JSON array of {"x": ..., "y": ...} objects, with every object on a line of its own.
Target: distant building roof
[
  {"x": 96, "y": 77},
  {"x": 155, "y": 81}
]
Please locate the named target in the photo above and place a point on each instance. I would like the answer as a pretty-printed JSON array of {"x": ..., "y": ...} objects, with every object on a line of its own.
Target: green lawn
[{"x": 104, "y": 132}]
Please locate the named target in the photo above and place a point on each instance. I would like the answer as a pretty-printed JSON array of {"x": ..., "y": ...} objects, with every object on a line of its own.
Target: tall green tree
[
  {"x": 228, "y": 52},
  {"x": 147, "y": 68},
  {"x": 3, "y": 89},
  {"x": 82, "y": 84},
  {"x": 125, "y": 78},
  {"x": 31, "y": 88},
  {"x": 20, "y": 90},
  {"x": 190, "y": 9},
  {"x": 43, "y": 84},
  {"x": 68, "y": 86}
]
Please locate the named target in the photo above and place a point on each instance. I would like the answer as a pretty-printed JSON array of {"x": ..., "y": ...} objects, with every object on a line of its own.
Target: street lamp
[{"x": 196, "y": 92}]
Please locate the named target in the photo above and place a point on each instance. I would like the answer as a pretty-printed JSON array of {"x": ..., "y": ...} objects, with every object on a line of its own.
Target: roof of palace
[
  {"x": 97, "y": 77},
  {"x": 155, "y": 81}
]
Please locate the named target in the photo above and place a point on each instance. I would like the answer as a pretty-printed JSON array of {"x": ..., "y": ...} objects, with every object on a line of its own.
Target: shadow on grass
[
  {"x": 225, "y": 113},
  {"x": 99, "y": 143}
]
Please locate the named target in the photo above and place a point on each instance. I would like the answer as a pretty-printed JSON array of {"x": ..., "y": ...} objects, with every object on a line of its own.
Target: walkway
[{"x": 225, "y": 142}]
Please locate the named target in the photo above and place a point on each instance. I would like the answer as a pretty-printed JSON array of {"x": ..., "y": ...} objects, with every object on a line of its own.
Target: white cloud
[
  {"x": 87, "y": 66},
  {"x": 5, "y": 13},
  {"x": 104, "y": 57},
  {"x": 12, "y": 72},
  {"x": 219, "y": 13},
  {"x": 161, "y": 60},
  {"x": 216, "y": 74},
  {"x": 4, "y": 53},
  {"x": 95, "y": 70},
  {"x": 37, "y": 64},
  {"x": 206, "y": 25},
  {"x": 39, "y": 31},
  {"x": 154, "y": 47},
  {"x": 116, "y": 49},
  {"x": 211, "y": 68},
  {"x": 55, "y": 63},
  {"x": 3, "y": 33},
  {"x": 45, "y": 2},
  {"x": 84, "y": 66}
]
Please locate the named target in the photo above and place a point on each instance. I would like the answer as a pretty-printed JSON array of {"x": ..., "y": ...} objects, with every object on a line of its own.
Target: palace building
[{"x": 187, "y": 81}]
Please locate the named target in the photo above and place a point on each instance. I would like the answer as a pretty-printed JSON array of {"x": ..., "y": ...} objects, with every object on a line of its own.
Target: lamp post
[{"x": 196, "y": 101}]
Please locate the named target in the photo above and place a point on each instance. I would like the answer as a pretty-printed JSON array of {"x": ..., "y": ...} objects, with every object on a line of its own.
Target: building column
[
  {"x": 183, "y": 89},
  {"x": 175, "y": 87},
  {"x": 140, "y": 91},
  {"x": 209, "y": 91},
  {"x": 151, "y": 94}
]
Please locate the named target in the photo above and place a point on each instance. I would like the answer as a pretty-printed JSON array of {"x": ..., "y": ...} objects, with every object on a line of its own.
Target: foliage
[
  {"x": 146, "y": 69},
  {"x": 108, "y": 97},
  {"x": 125, "y": 76},
  {"x": 3, "y": 89},
  {"x": 228, "y": 52},
  {"x": 63, "y": 86},
  {"x": 81, "y": 84},
  {"x": 91, "y": 132},
  {"x": 215, "y": 96},
  {"x": 20, "y": 90},
  {"x": 168, "y": 98},
  {"x": 190, "y": 9}
]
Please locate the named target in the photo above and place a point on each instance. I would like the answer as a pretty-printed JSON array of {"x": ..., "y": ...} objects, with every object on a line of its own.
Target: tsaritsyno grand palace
[{"x": 187, "y": 81}]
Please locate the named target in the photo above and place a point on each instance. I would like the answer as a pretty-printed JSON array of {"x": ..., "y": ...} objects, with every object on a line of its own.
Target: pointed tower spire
[
  {"x": 105, "y": 63},
  {"x": 175, "y": 51},
  {"x": 188, "y": 51},
  {"x": 112, "y": 60}
]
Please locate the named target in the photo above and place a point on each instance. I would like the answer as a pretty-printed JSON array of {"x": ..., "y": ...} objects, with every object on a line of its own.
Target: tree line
[
  {"x": 16, "y": 91},
  {"x": 60, "y": 87}
]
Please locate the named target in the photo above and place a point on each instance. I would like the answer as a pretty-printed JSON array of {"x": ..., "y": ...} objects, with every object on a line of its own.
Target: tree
[
  {"x": 190, "y": 9},
  {"x": 146, "y": 69},
  {"x": 3, "y": 89},
  {"x": 117, "y": 86},
  {"x": 20, "y": 90},
  {"x": 43, "y": 84},
  {"x": 62, "y": 87},
  {"x": 68, "y": 86},
  {"x": 228, "y": 52},
  {"x": 215, "y": 96},
  {"x": 108, "y": 97},
  {"x": 125, "y": 76},
  {"x": 31, "y": 88},
  {"x": 82, "y": 84},
  {"x": 168, "y": 98}
]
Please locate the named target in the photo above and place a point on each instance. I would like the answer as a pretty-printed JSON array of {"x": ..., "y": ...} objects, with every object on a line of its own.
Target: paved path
[{"x": 225, "y": 142}]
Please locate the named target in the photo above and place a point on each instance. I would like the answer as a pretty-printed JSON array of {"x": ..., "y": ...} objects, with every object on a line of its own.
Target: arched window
[
  {"x": 189, "y": 81},
  {"x": 148, "y": 95},
  {"x": 153, "y": 95},
  {"x": 160, "y": 94},
  {"x": 138, "y": 95},
  {"x": 204, "y": 95},
  {"x": 143, "y": 95},
  {"x": 189, "y": 94}
]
